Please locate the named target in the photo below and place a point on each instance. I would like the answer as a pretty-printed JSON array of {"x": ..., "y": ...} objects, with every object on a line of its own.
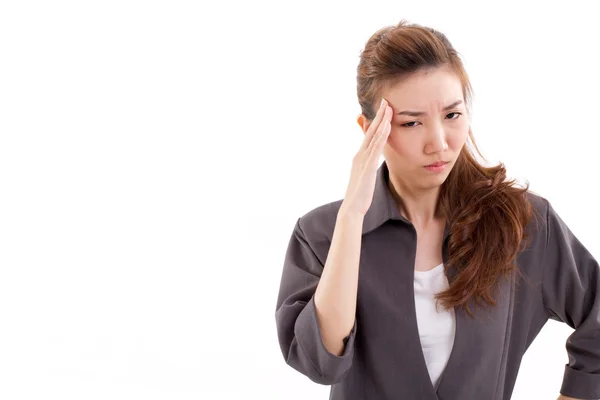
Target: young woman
[{"x": 434, "y": 274}]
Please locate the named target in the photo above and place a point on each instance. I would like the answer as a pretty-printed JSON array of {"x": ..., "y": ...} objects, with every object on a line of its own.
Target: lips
[{"x": 437, "y": 164}]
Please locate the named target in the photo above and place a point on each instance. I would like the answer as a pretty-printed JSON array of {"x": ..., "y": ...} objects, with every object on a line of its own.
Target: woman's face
[{"x": 437, "y": 133}]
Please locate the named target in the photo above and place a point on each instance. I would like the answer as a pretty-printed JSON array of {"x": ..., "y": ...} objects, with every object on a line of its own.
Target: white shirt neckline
[{"x": 429, "y": 272}]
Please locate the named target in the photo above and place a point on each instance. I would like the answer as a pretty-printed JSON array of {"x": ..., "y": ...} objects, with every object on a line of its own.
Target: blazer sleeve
[
  {"x": 571, "y": 294},
  {"x": 296, "y": 319}
]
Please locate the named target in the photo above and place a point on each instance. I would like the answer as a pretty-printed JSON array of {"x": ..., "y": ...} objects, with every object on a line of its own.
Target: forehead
[{"x": 424, "y": 89}]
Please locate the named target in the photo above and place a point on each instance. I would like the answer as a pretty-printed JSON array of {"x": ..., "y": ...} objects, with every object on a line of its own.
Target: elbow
[
  {"x": 313, "y": 368},
  {"x": 303, "y": 348},
  {"x": 322, "y": 376}
]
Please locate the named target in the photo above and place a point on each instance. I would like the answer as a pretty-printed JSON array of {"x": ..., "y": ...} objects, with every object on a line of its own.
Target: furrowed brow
[{"x": 419, "y": 113}]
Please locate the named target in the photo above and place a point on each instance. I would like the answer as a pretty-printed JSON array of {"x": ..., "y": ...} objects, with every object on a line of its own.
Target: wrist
[{"x": 345, "y": 214}]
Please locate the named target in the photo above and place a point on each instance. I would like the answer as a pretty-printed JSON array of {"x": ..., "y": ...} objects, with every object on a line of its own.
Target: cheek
[
  {"x": 399, "y": 143},
  {"x": 458, "y": 137}
]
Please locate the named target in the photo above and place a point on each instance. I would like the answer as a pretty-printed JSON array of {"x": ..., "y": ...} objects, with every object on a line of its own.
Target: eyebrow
[{"x": 419, "y": 113}]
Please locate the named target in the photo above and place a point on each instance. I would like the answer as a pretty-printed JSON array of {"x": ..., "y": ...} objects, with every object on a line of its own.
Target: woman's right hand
[{"x": 359, "y": 193}]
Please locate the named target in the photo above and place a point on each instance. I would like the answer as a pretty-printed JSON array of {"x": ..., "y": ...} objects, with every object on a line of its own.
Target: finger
[
  {"x": 374, "y": 124},
  {"x": 380, "y": 139},
  {"x": 386, "y": 116}
]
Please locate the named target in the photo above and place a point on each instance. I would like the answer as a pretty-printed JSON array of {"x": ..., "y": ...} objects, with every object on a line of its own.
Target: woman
[{"x": 434, "y": 274}]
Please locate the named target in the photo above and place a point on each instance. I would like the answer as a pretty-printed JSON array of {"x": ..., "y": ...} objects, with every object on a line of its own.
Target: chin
[
  {"x": 436, "y": 181},
  {"x": 432, "y": 182}
]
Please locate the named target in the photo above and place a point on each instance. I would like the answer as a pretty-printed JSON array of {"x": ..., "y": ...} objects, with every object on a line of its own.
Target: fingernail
[{"x": 382, "y": 101}]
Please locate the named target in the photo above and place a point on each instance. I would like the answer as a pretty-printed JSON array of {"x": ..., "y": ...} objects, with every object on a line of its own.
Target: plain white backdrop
[{"x": 155, "y": 155}]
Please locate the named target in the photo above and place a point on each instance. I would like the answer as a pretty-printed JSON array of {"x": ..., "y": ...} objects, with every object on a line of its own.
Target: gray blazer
[{"x": 383, "y": 359}]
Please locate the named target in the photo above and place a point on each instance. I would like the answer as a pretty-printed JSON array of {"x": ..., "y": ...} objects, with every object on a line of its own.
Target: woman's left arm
[{"x": 571, "y": 294}]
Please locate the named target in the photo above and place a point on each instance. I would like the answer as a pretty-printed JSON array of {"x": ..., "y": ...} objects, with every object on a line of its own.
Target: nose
[{"x": 436, "y": 140}]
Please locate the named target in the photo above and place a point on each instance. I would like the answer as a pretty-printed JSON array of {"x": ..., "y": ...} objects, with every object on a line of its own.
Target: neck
[{"x": 421, "y": 207}]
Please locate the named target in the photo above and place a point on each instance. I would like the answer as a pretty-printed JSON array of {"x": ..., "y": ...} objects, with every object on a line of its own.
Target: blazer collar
[{"x": 383, "y": 206}]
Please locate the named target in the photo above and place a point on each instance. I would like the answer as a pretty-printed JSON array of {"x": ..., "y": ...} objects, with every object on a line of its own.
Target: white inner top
[{"x": 436, "y": 328}]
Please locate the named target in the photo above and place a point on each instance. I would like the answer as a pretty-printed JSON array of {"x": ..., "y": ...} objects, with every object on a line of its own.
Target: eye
[{"x": 408, "y": 124}]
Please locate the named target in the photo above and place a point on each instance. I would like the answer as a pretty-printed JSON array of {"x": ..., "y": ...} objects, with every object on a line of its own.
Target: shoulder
[
  {"x": 537, "y": 201},
  {"x": 539, "y": 204},
  {"x": 318, "y": 223},
  {"x": 541, "y": 209}
]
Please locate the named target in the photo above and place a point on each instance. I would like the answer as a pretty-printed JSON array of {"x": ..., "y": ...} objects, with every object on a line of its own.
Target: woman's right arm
[
  {"x": 335, "y": 297},
  {"x": 306, "y": 345},
  {"x": 316, "y": 306}
]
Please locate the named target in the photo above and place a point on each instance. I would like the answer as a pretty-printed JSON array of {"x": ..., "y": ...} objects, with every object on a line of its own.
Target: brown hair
[{"x": 487, "y": 215}]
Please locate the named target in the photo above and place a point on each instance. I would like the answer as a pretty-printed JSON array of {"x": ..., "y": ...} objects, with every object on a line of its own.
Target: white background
[{"x": 155, "y": 155}]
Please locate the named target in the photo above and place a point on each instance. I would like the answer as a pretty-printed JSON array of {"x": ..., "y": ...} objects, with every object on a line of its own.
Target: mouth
[
  {"x": 436, "y": 167},
  {"x": 437, "y": 164}
]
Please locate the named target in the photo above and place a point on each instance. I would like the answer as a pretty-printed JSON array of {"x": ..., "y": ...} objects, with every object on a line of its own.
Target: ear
[{"x": 363, "y": 122}]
